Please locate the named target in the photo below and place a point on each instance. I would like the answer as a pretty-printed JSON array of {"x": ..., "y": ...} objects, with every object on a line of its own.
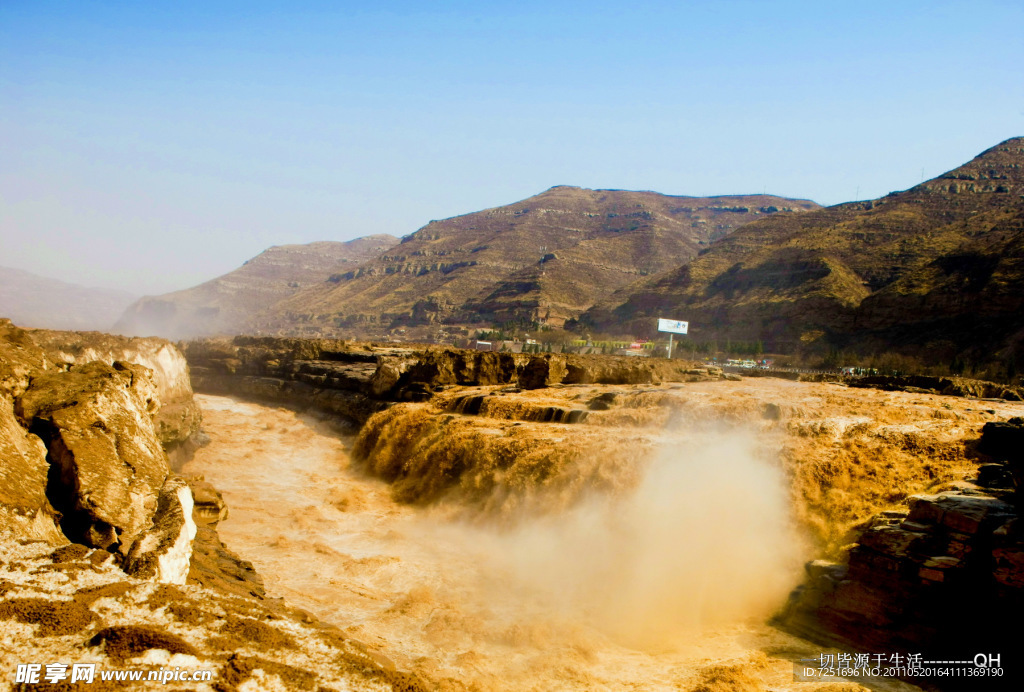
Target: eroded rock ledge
[
  {"x": 933, "y": 580},
  {"x": 355, "y": 380}
]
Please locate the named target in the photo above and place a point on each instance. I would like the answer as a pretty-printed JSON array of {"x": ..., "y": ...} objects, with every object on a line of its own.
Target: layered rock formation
[
  {"x": 938, "y": 264},
  {"x": 352, "y": 381},
  {"x": 936, "y": 580},
  {"x": 223, "y": 305},
  {"x": 544, "y": 259}
]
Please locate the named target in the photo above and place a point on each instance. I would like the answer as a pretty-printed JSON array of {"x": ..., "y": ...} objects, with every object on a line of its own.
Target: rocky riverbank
[{"x": 111, "y": 561}]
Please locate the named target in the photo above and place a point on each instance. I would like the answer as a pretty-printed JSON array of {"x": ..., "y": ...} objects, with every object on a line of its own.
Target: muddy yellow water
[{"x": 666, "y": 588}]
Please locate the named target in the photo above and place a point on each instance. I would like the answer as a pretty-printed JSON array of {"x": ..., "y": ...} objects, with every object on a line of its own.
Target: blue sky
[{"x": 151, "y": 146}]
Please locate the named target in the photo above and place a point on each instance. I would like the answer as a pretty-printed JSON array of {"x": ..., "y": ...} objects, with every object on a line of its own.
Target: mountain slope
[
  {"x": 37, "y": 301},
  {"x": 968, "y": 302},
  {"x": 224, "y": 304},
  {"x": 544, "y": 259},
  {"x": 790, "y": 280}
]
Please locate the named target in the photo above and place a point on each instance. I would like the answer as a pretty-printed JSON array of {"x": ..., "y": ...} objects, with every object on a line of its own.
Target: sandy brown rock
[
  {"x": 25, "y": 511},
  {"x": 118, "y": 622},
  {"x": 178, "y": 418},
  {"x": 20, "y": 359},
  {"x": 164, "y": 549},
  {"x": 96, "y": 421}
]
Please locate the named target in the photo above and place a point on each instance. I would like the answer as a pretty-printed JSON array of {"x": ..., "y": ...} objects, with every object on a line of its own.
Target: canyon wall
[{"x": 942, "y": 580}]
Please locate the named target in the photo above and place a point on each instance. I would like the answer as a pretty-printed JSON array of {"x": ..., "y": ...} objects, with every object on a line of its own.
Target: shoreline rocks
[{"x": 936, "y": 580}]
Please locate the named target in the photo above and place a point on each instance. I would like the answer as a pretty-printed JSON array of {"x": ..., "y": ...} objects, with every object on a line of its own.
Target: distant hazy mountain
[
  {"x": 224, "y": 304},
  {"x": 545, "y": 259},
  {"x": 30, "y": 300},
  {"x": 939, "y": 266}
]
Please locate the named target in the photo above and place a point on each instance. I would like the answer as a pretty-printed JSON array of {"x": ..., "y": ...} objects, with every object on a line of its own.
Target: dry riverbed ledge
[{"x": 110, "y": 557}]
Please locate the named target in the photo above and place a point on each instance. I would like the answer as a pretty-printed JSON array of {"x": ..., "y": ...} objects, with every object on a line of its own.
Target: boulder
[
  {"x": 96, "y": 421},
  {"x": 20, "y": 359},
  {"x": 163, "y": 551}
]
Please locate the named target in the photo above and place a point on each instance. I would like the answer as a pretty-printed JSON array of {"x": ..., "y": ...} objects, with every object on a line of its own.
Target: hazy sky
[{"x": 150, "y": 146}]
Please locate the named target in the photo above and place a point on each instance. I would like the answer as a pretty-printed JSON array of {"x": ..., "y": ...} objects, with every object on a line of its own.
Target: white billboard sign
[{"x": 673, "y": 326}]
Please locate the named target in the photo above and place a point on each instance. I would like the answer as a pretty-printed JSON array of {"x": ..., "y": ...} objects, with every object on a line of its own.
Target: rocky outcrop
[
  {"x": 25, "y": 510},
  {"x": 213, "y": 565},
  {"x": 107, "y": 464},
  {"x": 178, "y": 418},
  {"x": 930, "y": 580},
  {"x": 74, "y": 606},
  {"x": 82, "y": 437},
  {"x": 952, "y": 386},
  {"x": 352, "y": 381},
  {"x": 164, "y": 551}
]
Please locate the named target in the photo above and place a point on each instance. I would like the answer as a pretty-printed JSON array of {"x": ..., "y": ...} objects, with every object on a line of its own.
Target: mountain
[
  {"x": 545, "y": 259},
  {"x": 884, "y": 272},
  {"x": 224, "y": 304},
  {"x": 36, "y": 301}
]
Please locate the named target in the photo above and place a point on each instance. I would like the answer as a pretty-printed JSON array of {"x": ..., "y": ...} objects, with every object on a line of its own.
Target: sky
[{"x": 150, "y": 146}]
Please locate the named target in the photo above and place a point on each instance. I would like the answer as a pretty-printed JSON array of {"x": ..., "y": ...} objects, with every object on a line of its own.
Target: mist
[
  {"x": 704, "y": 539},
  {"x": 673, "y": 563}
]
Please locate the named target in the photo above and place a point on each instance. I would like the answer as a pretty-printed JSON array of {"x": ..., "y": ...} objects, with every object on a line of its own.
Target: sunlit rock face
[
  {"x": 84, "y": 436},
  {"x": 108, "y": 466},
  {"x": 178, "y": 418}
]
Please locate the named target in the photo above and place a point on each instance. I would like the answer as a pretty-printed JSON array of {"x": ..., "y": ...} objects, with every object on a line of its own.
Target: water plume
[{"x": 703, "y": 538}]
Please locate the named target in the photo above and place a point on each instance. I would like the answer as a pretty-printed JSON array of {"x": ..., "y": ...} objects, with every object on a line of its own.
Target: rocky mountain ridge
[
  {"x": 41, "y": 302},
  {"x": 224, "y": 304},
  {"x": 544, "y": 259},
  {"x": 903, "y": 269}
]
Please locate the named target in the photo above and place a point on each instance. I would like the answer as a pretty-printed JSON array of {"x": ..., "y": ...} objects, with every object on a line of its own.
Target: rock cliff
[
  {"x": 352, "y": 380},
  {"x": 178, "y": 417},
  {"x": 931, "y": 580},
  {"x": 83, "y": 459}
]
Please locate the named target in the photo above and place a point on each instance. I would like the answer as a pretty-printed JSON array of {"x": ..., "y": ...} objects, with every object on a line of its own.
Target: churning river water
[{"x": 644, "y": 595}]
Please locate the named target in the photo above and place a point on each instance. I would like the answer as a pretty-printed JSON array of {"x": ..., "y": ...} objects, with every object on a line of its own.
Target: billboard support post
[{"x": 670, "y": 345}]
